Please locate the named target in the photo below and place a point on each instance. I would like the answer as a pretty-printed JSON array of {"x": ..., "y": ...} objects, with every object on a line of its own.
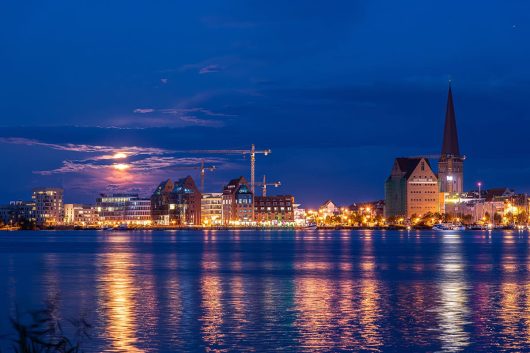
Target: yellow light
[
  {"x": 121, "y": 166},
  {"x": 119, "y": 155}
]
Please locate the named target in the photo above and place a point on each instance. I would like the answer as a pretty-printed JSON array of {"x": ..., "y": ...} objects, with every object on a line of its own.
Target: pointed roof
[
  {"x": 492, "y": 194},
  {"x": 450, "y": 140},
  {"x": 165, "y": 186},
  {"x": 407, "y": 165},
  {"x": 327, "y": 203},
  {"x": 185, "y": 185},
  {"x": 238, "y": 185}
]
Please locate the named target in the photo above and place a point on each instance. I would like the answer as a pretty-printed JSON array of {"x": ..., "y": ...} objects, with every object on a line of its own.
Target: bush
[{"x": 39, "y": 332}]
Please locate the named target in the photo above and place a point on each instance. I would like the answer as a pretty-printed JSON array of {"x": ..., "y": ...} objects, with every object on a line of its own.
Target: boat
[
  {"x": 447, "y": 227},
  {"x": 477, "y": 227}
]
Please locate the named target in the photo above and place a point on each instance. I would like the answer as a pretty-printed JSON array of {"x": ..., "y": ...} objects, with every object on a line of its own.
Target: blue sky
[{"x": 335, "y": 89}]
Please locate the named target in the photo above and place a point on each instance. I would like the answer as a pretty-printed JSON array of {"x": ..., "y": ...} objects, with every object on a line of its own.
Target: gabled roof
[
  {"x": 498, "y": 192},
  {"x": 325, "y": 204},
  {"x": 185, "y": 185},
  {"x": 450, "y": 145},
  {"x": 407, "y": 165},
  {"x": 185, "y": 181},
  {"x": 234, "y": 185},
  {"x": 165, "y": 186},
  {"x": 237, "y": 181}
]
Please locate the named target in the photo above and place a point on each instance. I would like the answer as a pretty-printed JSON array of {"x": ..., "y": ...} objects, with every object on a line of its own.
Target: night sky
[{"x": 336, "y": 89}]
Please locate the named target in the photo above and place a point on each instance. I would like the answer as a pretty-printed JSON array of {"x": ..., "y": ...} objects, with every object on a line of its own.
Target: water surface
[{"x": 287, "y": 291}]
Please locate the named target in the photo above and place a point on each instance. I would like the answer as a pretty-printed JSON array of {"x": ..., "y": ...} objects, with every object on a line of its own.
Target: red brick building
[
  {"x": 177, "y": 203},
  {"x": 237, "y": 203},
  {"x": 274, "y": 209}
]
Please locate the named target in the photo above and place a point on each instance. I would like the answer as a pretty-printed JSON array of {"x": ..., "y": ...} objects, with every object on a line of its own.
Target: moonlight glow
[
  {"x": 121, "y": 166},
  {"x": 119, "y": 155}
]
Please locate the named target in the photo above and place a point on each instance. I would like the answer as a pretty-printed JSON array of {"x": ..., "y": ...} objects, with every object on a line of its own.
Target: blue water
[{"x": 285, "y": 291}]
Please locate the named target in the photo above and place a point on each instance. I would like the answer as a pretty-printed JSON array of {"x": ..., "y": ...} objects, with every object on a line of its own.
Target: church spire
[{"x": 450, "y": 140}]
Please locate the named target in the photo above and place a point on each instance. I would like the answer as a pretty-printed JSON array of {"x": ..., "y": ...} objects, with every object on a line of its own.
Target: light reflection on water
[
  {"x": 373, "y": 291},
  {"x": 452, "y": 309},
  {"x": 117, "y": 295}
]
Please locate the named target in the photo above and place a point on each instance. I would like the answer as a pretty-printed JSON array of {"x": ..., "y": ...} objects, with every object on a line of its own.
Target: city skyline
[{"x": 249, "y": 77}]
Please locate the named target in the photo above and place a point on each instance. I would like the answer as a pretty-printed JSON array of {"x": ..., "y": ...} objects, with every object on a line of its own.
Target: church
[
  {"x": 414, "y": 189},
  {"x": 451, "y": 163}
]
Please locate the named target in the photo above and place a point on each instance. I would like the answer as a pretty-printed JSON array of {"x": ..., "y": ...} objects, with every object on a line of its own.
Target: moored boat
[{"x": 446, "y": 227}]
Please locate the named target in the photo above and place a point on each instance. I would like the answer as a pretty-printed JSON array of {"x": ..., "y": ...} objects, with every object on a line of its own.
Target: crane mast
[
  {"x": 202, "y": 168},
  {"x": 252, "y": 167},
  {"x": 264, "y": 185},
  {"x": 252, "y": 152}
]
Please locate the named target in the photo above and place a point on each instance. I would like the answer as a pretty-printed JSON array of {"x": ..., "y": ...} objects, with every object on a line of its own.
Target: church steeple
[
  {"x": 450, "y": 145},
  {"x": 451, "y": 163}
]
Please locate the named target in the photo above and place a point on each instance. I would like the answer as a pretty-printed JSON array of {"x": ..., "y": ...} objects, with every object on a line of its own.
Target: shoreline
[{"x": 324, "y": 228}]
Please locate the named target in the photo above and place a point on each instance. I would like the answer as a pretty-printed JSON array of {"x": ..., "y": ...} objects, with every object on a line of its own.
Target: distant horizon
[
  {"x": 270, "y": 191},
  {"x": 337, "y": 92}
]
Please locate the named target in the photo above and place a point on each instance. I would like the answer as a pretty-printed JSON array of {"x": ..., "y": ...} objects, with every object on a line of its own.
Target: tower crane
[
  {"x": 264, "y": 185},
  {"x": 428, "y": 156},
  {"x": 432, "y": 156},
  {"x": 202, "y": 168},
  {"x": 252, "y": 152}
]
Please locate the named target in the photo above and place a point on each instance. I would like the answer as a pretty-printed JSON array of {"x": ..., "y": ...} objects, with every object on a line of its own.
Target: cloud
[
  {"x": 140, "y": 164},
  {"x": 70, "y": 167},
  {"x": 133, "y": 169},
  {"x": 201, "y": 122},
  {"x": 141, "y": 177},
  {"x": 212, "y": 65},
  {"x": 181, "y": 111},
  {"x": 143, "y": 110},
  {"x": 208, "y": 69},
  {"x": 196, "y": 116},
  {"x": 132, "y": 150}
]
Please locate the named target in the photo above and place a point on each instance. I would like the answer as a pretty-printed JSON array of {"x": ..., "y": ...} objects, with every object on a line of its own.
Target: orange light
[
  {"x": 121, "y": 166},
  {"x": 119, "y": 155}
]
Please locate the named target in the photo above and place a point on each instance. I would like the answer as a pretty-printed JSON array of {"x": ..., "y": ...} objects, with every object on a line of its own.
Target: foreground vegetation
[{"x": 40, "y": 331}]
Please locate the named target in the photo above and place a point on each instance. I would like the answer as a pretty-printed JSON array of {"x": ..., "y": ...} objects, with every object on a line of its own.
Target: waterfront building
[
  {"x": 499, "y": 194},
  {"x": 411, "y": 189},
  {"x": 120, "y": 209},
  {"x": 482, "y": 211},
  {"x": 328, "y": 213},
  {"x": 373, "y": 208},
  {"x": 77, "y": 214},
  {"x": 212, "y": 208},
  {"x": 328, "y": 208},
  {"x": 300, "y": 215},
  {"x": 238, "y": 203},
  {"x": 176, "y": 203},
  {"x": 17, "y": 212},
  {"x": 48, "y": 206},
  {"x": 493, "y": 206},
  {"x": 5, "y": 214},
  {"x": 274, "y": 210},
  {"x": 451, "y": 162}
]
